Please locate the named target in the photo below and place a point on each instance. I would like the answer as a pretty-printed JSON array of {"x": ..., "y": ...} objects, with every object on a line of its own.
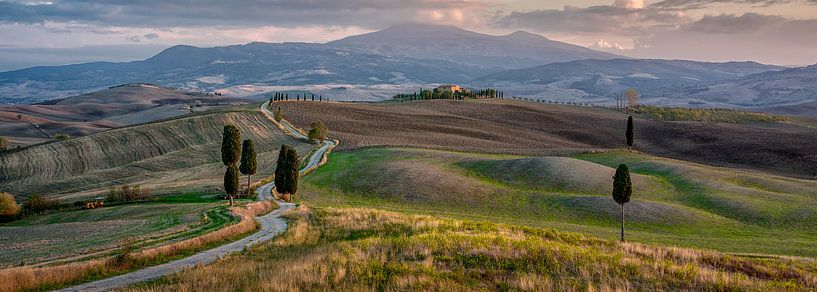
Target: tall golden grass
[
  {"x": 362, "y": 249},
  {"x": 30, "y": 278}
]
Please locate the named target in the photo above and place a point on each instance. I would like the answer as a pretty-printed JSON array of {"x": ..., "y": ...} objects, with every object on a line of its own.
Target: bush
[
  {"x": 4, "y": 143},
  {"x": 278, "y": 115},
  {"x": 39, "y": 203},
  {"x": 319, "y": 131},
  {"x": 62, "y": 137},
  {"x": 127, "y": 193},
  {"x": 8, "y": 206}
]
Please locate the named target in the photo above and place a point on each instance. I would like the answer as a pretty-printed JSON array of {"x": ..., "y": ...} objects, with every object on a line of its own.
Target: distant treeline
[
  {"x": 440, "y": 93},
  {"x": 283, "y": 96}
]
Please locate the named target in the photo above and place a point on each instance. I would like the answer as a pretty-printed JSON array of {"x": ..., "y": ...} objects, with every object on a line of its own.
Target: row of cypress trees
[{"x": 278, "y": 96}]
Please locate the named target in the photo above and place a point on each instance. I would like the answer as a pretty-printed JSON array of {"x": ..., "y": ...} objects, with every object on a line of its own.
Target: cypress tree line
[
  {"x": 231, "y": 182},
  {"x": 629, "y": 133},
  {"x": 248, "y": 161},
  {"x": 622, "y": 190},
  {"x": 286, "y": 171}
]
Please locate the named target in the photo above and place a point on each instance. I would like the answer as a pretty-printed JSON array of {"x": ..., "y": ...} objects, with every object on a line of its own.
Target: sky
[{"x": 50, "y": 32}]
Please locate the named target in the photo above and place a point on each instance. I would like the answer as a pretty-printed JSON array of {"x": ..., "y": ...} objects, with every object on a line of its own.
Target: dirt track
[{"x": 505, "y": 126}]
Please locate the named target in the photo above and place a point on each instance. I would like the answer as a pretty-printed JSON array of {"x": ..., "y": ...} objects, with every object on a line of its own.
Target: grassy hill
[
  {"x": 175, "y": 155},
  {"x": 516, "y": 127},
  {"x": 674, "y": 202},
  {"x": 364, "y": 249}
]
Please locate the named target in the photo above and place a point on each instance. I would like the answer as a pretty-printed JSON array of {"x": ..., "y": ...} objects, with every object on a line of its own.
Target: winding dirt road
[{"x": 271, "y": 226}]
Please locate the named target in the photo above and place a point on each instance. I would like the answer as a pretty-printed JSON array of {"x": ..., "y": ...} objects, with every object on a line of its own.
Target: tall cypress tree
[
  {"x": 230, "y": 152},
  {"x": 622, "y": 190},
  {"x": 629, "y": 133},
  {"x": 231, "y": 182},
  {"x": 286, "y": 171},
  {"x": 248, "y": 161},
  {"x": 230, "y": 145}
]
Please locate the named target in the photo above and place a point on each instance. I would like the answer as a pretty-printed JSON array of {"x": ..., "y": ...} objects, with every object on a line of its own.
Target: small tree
[
  {"x": 8, "y": 206},
  {"x": 62, "y": 137},
  {"x": 319, "y": 131},
  {"x": 622, "y": 190},
  {"x": 248, "y": 161},
  {"x": 278, "y": 115},
  {"x": 286, "y": 171},
  {"x": 629, "y": 133},
  {"x": 230, "y": 145},
  {"x": 4, "y": 143},
  {"x": 231, "y": 183},
  {"x": 632, "y": 97}
]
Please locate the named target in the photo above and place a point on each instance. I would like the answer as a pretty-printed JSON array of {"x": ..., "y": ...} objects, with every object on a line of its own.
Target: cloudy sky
[{"x": 38, "y": 32}]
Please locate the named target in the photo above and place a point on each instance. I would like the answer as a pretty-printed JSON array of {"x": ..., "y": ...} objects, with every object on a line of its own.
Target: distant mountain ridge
[
  {"x": 604, "y": 78},
  {"x": 514, "y": 51}
]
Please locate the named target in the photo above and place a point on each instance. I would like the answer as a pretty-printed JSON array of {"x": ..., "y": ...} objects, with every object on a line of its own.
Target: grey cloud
[
  {"x": 727, "y": 23},
  {"x": 151, "y": 36},
  {"x": 159, "y": 13},
  {"x": 595, "y": 19},
  {"x": 700, "y": 4}
]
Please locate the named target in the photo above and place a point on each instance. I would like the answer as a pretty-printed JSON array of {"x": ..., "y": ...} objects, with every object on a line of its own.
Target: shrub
[
  {"x": 8, "y": 206},
  {"x": 4, "y": 143},
  {"x": 319, "y": 131},
  {"x": 39, "y": 203},
  {"x": 62, "y": 137},
  {"x": 127, "y": 193}
]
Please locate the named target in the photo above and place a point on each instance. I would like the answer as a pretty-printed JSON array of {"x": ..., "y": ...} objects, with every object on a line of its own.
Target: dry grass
[
  {"x": 363, "y": 249},
  {"x": 515, "y": 127},
  {"x": 29, "y": 278}
]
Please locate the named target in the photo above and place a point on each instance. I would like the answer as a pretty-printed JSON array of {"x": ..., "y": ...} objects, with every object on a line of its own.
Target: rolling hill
[
  {"x": 525, "y": 128},
  {"x": 106, "y": 109},
  {"x": 775, "y": 89},
  {"x": 171, "y": 156},
  {"x": 603, "y": 79}
]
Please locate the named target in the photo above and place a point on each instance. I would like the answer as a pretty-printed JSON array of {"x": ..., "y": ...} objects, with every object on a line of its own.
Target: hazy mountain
[
  {"x": 777, "y": 88},
  {"x": 255, "y": 63},
  {"x": 425, "y": 41},
  {"x": 608, "y": 77}
]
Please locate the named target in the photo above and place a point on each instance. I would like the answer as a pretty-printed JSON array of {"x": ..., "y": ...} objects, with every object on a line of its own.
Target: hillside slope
[
  {"x": 101, "y": 110},
  {"x": 769, "y": 89},
  {"x": 180, "y": 154},
  {"x": 516, "y": 127},
  {"x": 606, "y": 78}
]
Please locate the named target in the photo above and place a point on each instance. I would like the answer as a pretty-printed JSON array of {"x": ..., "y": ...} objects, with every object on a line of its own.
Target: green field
[
  {"x": 97, "y": 232},
  {"x": 674, "y": 202}
]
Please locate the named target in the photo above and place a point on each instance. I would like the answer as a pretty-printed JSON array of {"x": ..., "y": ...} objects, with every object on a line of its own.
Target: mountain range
[{"x": 520, "y": 63}]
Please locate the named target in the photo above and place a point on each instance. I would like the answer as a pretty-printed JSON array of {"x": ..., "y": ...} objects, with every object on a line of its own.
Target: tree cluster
[
  {"x": 440, "y": 93},
  {"x": 287, "y": 171}
]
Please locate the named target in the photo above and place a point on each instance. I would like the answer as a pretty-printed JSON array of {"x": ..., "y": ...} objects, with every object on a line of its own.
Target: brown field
[
  {"x": 99, "y": 111},
  {"x": 515, "y": 127}
]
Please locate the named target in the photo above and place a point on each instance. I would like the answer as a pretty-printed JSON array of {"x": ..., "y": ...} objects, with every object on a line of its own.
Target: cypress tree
[
  {"x": 286, "y": 171},
  {"x": 622, "y": 190},
  {"x": 230, "y": 145},
  {"x": 313, "y": 97},
  {"x": 231, "y": 182},
  {"x": 248, "y": 161},
  {"x": 629, "y": 133}
]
